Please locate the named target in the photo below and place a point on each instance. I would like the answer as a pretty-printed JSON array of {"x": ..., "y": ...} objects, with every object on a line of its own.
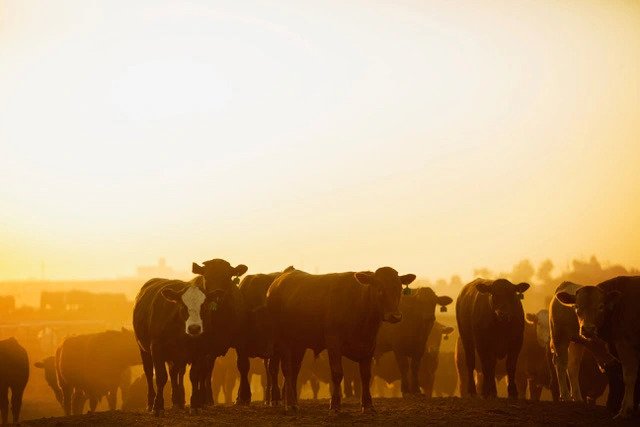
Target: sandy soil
[{"x": 390, "y": 411}]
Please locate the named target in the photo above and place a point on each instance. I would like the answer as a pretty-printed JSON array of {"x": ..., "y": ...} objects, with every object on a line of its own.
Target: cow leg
[
  {"x": 573, "y": 368},
  {"x": 629, "y": 358},
  {"x": 272, "y": 372},
  {"x": 365, "y": 381},
  {"x": 147, "y": 366},
  {"x": 553, "y": 378},
  {"x": 199, "y": 369},
  {"x": 488, "y": 361},
  {"x": 4, "y": 403},
  {"x": 296, "y": 355},
  {"x": 512, "y": 387},
  {"x": 207, "y": 391},
  {"x": 93, "y": 403},
  {"x": 228, "y": 385},
  {"x": 470, "y": 358},
  {"x": 347, "y": 388},
  {"x": 112, "y": 398},
  {"x": 176, "y": 374},
  {"x": 561, "y": 360},
  {"x": 77, "y": 402},
  {"x": 264, "y": 381},
  {"x": 535, "y": 391},
  {"x": 335, "y": 363},
  {"x": 415, "y": 368},
  {"x": 16, "y": 403},
  {"x": 161, "y": 380},
  {"x": 244, "y": 390},
  {"x": 403, "y": 366},
  {"x": 67, "y": 392},
  {"x": 315, "y": 386}
]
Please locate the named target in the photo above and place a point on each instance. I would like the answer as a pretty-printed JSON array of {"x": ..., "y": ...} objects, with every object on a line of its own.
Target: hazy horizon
[{"x": 433, "y": 137}]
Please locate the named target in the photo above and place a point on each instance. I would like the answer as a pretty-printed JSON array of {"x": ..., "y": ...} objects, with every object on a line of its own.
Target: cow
[
  {"x": 491, "y": 322},
  {"x": 567, "y": 345},
  {"x": 431, "y": 359},
  {"x": 14, "y": 375},
  {"x": 340, "y": 312},
  {"x": 93, "y": 365},
  {"x": 48, "y": 365},
  {"x": 172, "y": 322},
  {"x": 230, "y": 311},
  {"x": 136, "y": 396},
  {"x": 259, "y": 331},
  {"x": 407, "y": 339},
  {"x": 611, "y": 311}
]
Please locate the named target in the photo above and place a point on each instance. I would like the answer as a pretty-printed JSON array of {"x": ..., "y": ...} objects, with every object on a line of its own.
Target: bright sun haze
[{"x": 431, "y": 136}]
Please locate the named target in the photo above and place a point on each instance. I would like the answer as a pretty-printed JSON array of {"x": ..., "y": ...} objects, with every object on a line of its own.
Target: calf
[
  {"x": 491, "y": 322},
  {"x": 340, "y": 312},
  {"x": 14, "y": 374},
  {"x": 431, "y": 359},
  {"x": 611, "y": 311},
  {"x": 407, "y": 339}
]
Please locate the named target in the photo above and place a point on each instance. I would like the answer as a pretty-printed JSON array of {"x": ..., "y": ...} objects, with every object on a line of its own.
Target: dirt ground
[{"x": 390, "y": 411}]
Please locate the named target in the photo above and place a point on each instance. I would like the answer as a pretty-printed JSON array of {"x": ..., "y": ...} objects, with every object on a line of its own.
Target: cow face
[
  {"x": 49, "y": 366},
  {"x": 504, "y": 297},
  {"x": 541, "y": 322},
  {"x": 387, "y": 289},
  {"x": 429, "y": 300},
  {"x": 590, "y": 304},
  {"x": 219, "y": 274},
  {"x": 193, "y": 303}
]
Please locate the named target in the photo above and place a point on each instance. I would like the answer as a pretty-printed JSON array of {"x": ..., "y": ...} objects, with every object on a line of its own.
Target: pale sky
[{"x": 433, "y": 137}]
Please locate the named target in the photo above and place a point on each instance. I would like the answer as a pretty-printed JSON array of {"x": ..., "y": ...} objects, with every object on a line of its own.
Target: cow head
[
  {"x": 504, "y": 297},
  {"x": 428, "y": 299},
  {"x": 540, "y": 321},
  {"x": 590, "y": 304},
  {"x": 48, "y": 364},
  {"x": 219, "y": 274},
  {"x": 387, "y": 288},
  {"x": 193, "y": 302}
]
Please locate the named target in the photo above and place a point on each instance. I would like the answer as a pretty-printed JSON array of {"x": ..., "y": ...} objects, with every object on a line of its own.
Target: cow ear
[
  {"x": 521, "y": 287},
  {"x": 531, "y": 318},
  {"x": 171, "y": 295},
  {"x": 240, "y": 270},
  {"x": 39, "y": 365},
  {"x": 197, "y": 269},
  {"x": 483, "y": 288},
  {"x": 566, "y": 298},
  {"x": 444, "y": 300},
  {"x": 407, "y": 278},
  {"x": 365, "y": 277},
  {"x": 611, "y": 298},
  {"x": 289, "y": 269}
]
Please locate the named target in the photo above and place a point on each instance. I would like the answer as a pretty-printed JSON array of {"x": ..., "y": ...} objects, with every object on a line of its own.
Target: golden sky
[{"x": 432, "y": 136}]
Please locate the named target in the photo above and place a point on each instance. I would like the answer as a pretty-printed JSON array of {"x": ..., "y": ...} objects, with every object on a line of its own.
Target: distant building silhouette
[{"x": 159, "y": 270}]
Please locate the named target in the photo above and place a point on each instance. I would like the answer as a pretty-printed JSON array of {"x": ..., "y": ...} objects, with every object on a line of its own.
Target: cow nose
[
  {"x": 393, "y": 317},
  {"x": 194, "y": 329}
]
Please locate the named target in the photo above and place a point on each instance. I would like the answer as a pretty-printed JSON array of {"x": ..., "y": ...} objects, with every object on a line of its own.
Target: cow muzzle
[
  {"x": 194, "y": 330},
  {"x": 393, "y": 317}
]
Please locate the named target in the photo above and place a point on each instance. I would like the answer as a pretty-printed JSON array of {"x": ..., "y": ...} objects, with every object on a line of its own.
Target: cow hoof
[
  {"x": 368, "y": 410},
  {"x": 194, "y": 411},
  {"x": 293, "y": 409},
  {"x": 243, "y": 402},
  {"x": 158, "y": 412}
]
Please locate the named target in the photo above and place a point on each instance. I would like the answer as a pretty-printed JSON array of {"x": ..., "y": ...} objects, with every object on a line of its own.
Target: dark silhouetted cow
[
  {"x": 340, "y": 312},
  {"x": 491, "y": 322},
  {"x": 14, "y": 374},
  {"x": 611, "y": 311}
]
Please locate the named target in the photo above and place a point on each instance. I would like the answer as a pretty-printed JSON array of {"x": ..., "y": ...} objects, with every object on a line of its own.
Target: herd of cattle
[{"x": 362, "y": 316}]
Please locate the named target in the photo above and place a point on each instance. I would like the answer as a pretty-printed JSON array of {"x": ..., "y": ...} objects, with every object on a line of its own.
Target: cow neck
[{"x": 368, "y": 314}]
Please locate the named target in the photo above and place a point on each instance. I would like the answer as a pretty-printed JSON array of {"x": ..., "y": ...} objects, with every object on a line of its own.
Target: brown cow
[
  {"x": 491, "y": 322},
  {"x": 407, "y": 339},
  {"x": 92, "y": 365},
  {"x": 340, "y": 312},
  {"x": 48, "y": 365},
  {"x": 611, "y": 311},
  {"x": 14, "y": 374}
]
